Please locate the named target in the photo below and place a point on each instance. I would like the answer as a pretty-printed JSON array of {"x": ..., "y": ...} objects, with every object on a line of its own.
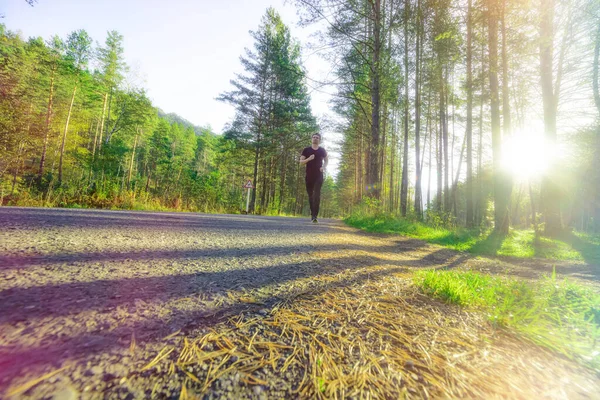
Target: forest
[
  {"x": 449, "y": 92},
  {"x": 457, "y": 113}
]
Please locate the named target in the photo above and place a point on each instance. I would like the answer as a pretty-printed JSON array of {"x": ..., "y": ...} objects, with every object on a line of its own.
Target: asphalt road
[
  {"x": 80, "y": 282},
  {"x": 89, "y": 297}
]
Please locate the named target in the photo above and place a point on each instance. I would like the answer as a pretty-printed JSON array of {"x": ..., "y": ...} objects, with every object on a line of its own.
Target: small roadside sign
[{"x": 248, "y": 186}]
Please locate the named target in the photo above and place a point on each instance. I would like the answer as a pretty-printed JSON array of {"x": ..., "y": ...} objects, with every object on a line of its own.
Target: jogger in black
[{"x": 315, "y": 158}]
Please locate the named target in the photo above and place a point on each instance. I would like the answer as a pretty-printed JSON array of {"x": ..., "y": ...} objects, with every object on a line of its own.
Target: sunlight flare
[{"x": 527, "y": 155}]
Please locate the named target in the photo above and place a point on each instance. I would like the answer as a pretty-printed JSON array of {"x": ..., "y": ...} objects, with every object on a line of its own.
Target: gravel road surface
[
  {"x": 89, "y": 297},
  {"x": 74, "y": 283}
]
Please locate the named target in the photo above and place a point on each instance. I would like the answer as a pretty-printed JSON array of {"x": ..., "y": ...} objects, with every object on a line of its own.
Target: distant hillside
[{"x": 174, "y": 118}]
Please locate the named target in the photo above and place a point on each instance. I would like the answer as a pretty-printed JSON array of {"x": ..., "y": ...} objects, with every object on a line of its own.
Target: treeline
[
  {"x": 75, "y": 132},
  {"x": 273, "y": 119},
  {"x": 430, "y": 93}
]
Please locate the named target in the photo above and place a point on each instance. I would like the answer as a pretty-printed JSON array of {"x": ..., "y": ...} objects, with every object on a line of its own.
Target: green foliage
[
  {"x": 370, "y": 218},
  {"x": 518, "y": 243},
  {"x": 560, "y": 315},
  {"x": 120, "y": 151}
]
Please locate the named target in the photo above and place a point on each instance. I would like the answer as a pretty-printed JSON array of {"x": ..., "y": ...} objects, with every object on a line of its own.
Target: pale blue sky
[{"x": 183, "y": 52}]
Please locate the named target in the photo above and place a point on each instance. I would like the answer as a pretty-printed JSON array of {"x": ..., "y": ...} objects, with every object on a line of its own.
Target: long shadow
[
  {"x": 490, "y": 245},
  {"x": 8, "y": 262},
  {"x": 14, "y": 360},
  {"x": 530, "y": 268},
  {"x": 34, "y": 219},
  {"x": 588, "y": 250},
  {"x": 19, "y": 304},
  {"x": 533, "y": 268},
  {"x": 457, "y": 262}
]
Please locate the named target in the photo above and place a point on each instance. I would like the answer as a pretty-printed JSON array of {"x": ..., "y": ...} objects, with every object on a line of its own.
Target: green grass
[
  {"x": 460, "y": 239},
  {"x": 559, "y": 315},
  {"x": 518, "y": 243}
]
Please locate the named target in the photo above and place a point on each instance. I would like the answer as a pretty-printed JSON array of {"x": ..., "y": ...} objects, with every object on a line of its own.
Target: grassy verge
[
  {"x": 559, "y": 315},
  {"x": 518, "y": 243},
  {"x": 460, "y": 239}
]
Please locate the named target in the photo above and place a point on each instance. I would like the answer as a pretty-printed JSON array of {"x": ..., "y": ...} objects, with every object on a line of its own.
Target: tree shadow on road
[
  {"x": 490, "y": 245},
  {"x": 587, "y": 247},
  {"x": 101, "y": 294}
]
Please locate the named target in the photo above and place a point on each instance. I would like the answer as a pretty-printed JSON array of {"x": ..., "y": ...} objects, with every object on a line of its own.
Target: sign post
[{"x": 248, "y": 186}]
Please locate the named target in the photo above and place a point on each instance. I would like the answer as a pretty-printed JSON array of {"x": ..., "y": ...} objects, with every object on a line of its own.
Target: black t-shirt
[{"x": 313, "y": 167}]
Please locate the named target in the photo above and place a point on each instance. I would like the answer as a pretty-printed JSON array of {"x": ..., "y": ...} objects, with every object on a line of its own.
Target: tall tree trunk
[
  {"x": 429, "y": 132},
  {"x": 404, "y": 188},
  {"x": 64, "y": 138},
  {"x": 455, "y": 183},
  {"x": 439, "y": 156},
  {"x": 254, "y": 179},
  {"x": 382, "y": 155},
  {"x": 445, "y": 149},
  {"x": 102, "y": 121},
  {"x": 16, "y": 170},
  {"x": 272, "y": 173},
  {"x": 418, "y": 200},
  {"x": 506, "y": 120},
  {"x": 480, "y": 200},
  {"x": 507, "y": 181},
  {"x": 47, "y": 129},
  {"x": 263, "y": 184},
  {"x": 469, "y": 132},
  {"x": 550, "y": 193},
  {"x": 131, "y": 163},
  {"x": 357, "y": 157},
  {"x": 282, "y": 181},
  {"x": 500, "y": 207},
  {"x": 443, "y": 140},
  {"x": 392, "y": 162},
  {"x": 107, "y": 139},
  {"x": 596, "y": 90},
  {"x": 375, "y": 100},
  {"x": 361, "y": 167},
  {"x": 299, "y": 191},
  {"x": 452, "y": 186},
  {"x": 93, "y": 153},
  {"x": 595, "y": 70},
  {"x": 429, "y": 164},
  {"x": 95, "y": 140}
]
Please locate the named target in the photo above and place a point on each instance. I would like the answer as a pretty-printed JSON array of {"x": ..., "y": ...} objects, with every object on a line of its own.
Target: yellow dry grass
[
  {"x": 378, "y": 338},
  {"x": 28, "y": 385}
]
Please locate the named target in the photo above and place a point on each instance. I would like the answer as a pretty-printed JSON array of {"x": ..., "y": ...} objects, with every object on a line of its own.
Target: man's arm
[
  {"x": 304, "y": 160},
  {"x": 326, "y": 161}
]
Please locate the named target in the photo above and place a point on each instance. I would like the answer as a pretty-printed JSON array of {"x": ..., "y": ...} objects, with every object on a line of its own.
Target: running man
[{"x": 315, "y": 158}]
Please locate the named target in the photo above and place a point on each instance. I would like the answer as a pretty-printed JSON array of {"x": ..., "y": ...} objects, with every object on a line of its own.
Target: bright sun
[{"x": 526, "y": 155}]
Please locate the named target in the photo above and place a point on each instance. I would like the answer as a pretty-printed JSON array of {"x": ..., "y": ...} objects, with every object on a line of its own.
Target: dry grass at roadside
[{"x": 379, "y": 338}]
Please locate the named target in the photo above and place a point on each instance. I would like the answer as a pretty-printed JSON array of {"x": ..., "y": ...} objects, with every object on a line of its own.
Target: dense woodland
[
  {"x": 429, "y": 94},
  {"x": 76, "y": 132}
]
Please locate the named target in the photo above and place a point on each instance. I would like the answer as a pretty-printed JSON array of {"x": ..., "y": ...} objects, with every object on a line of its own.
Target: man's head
[{"x": 316, "y": 138}]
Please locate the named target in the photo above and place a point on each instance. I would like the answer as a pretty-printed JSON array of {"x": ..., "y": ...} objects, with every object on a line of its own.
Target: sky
[{"x": 183, "y": 52}]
